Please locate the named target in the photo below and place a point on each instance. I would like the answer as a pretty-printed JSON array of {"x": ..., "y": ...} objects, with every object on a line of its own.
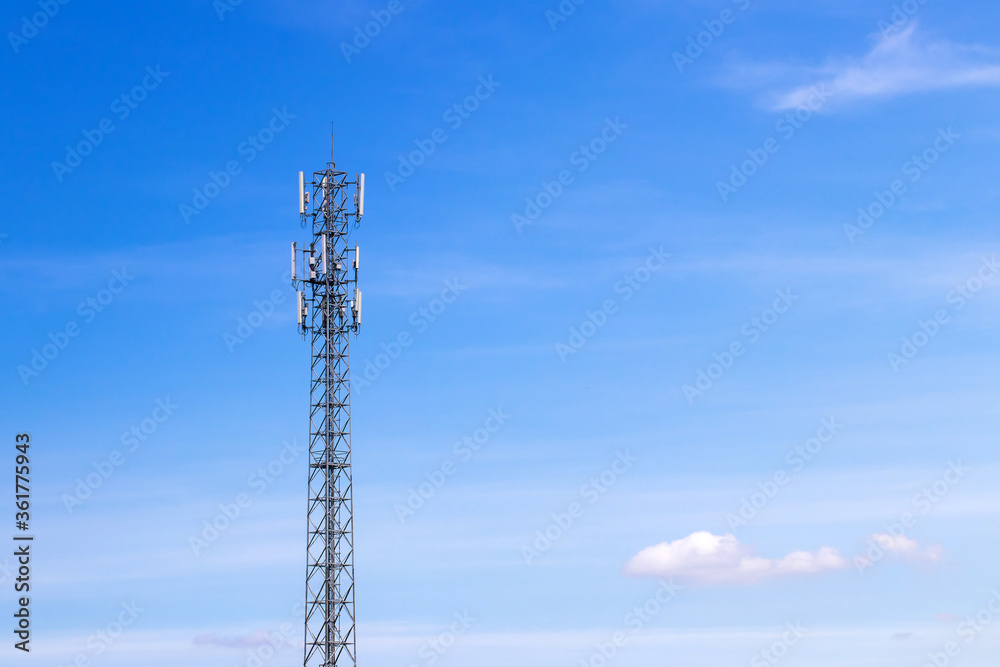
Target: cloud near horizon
[
  {"x": 251, "y": 641},
  {"x": 900, "y": 63},
  {"x": 705, "y": 559}
]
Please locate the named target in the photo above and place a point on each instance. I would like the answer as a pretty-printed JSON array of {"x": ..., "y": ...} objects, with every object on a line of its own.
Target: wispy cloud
[
  {"x": 708, "y": 560},
  {"x": 909, "y": 549},
  {"x": 253, "y": 640},
  {"x": 900, "y": 63}
]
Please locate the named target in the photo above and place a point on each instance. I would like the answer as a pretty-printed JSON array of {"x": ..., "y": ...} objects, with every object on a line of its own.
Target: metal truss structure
[{"x": 325, "y": 276}]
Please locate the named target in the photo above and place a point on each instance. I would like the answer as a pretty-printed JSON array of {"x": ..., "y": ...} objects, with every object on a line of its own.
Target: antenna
[
  {"x": 361, "y": 195},
  {"x": 293, "y": 260},
  {"x": 302, "y": 193},
  {"x": 331, "y": 141}
]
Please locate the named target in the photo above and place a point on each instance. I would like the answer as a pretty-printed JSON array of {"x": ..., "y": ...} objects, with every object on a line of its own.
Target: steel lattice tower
[{"x": 329, "y": 307}]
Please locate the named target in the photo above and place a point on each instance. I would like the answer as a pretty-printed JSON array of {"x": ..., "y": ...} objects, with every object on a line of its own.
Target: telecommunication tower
[{"x": 329, "y": 308}]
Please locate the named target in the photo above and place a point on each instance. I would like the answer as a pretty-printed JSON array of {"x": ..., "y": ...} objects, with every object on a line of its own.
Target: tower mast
[{"x": 329, "y": 309}]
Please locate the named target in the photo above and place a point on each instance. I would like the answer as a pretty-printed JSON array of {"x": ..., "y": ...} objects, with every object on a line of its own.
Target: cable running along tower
[{"x": 325, "y": 277}]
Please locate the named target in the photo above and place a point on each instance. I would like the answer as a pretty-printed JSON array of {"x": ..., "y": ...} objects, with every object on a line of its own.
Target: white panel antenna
[{"x": 302, "y": 193}]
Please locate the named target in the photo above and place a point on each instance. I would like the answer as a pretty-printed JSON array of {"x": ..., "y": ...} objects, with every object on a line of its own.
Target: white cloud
[
  {"x": 706, "y": 559},
  {"x": 909, "y": 549},
  {"x": 900, "y": 63}
]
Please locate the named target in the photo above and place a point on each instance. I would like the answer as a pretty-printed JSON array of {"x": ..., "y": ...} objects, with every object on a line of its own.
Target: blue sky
[{"x": 709, "y": 258}]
